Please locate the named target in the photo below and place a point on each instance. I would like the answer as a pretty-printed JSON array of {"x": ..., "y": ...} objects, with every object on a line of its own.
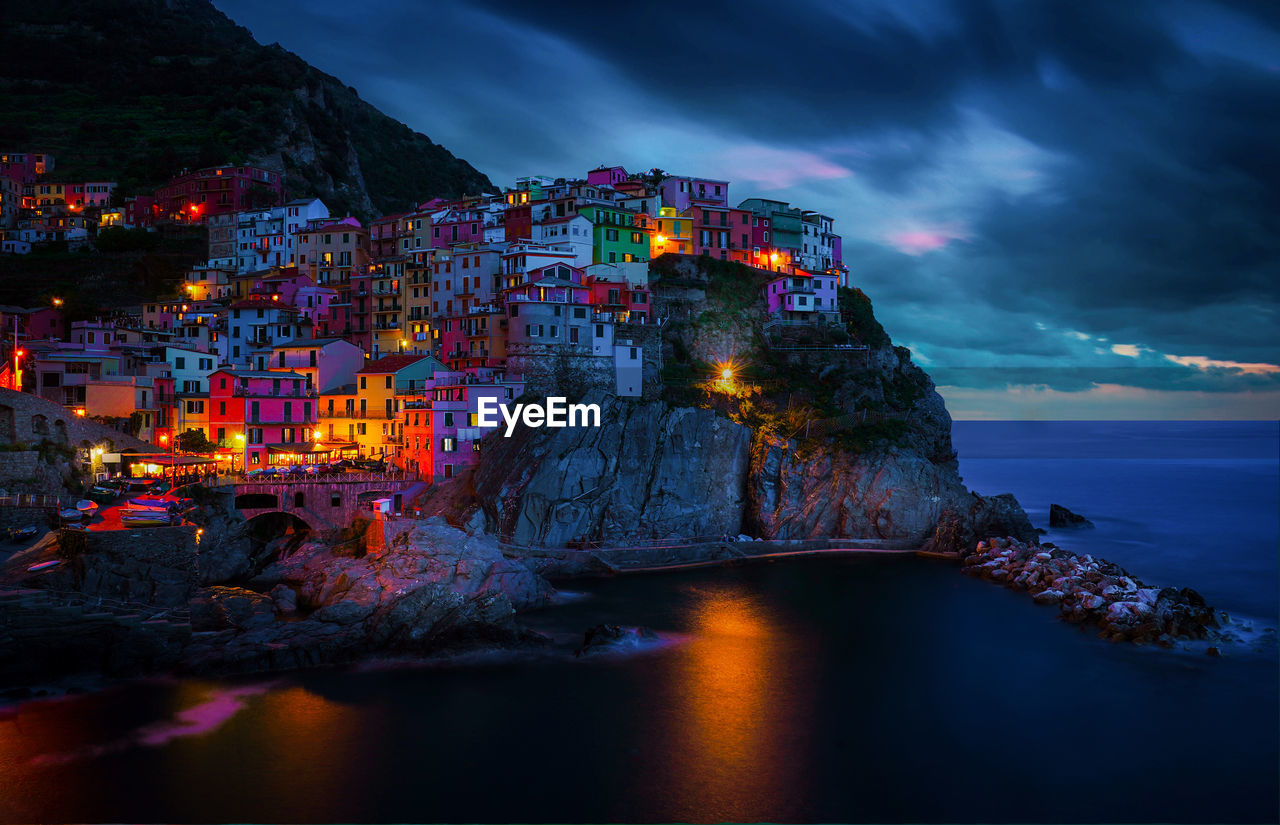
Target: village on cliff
[{"x": 308, "y": 339}]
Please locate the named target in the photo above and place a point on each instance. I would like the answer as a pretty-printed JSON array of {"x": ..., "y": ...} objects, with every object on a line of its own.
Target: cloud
[
  {"x": 1202, "y": 363},
  {"x": 1018, "y": 184}
]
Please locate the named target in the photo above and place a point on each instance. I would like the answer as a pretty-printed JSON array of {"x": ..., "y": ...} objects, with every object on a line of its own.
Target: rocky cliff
[
  {"x": 823, "y": 430},
  {"x": 129, "y": 603}
]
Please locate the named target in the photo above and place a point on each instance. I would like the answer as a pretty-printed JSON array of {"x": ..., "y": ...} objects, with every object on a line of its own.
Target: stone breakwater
[{"x": 1097, "y": 592}]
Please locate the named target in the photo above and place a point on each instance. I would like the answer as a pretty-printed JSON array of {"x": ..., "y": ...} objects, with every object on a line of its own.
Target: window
[
  {"x": 180, "y": 363},
  {"x": 448, "y": 419},
  {"x": 387, "y": 383},
  {"x": 611, "y": 234},
  {"x": 448, "y": 445},
  {"x": 363, "y": 381},
  {"x": 335, "y": 500}
]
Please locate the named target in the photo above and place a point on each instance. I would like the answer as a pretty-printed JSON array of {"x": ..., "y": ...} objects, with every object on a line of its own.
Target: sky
[{"x": 1067, "y": 210}]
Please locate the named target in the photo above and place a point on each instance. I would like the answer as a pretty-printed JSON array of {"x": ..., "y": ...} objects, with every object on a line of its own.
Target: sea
[{"x": 849, "y": 689}]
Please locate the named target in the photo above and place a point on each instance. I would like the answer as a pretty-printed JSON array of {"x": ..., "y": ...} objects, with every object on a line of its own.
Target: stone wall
[
  {"x": 41, "y": 517},
  {"x": 26, "y": 418},
  {"x": 153, "y": 566},
  {"x": 23, "y": 472}
]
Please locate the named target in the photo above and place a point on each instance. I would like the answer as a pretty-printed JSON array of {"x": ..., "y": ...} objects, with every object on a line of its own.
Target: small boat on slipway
[
  {"x": 147, "y": 503},
  {"x": 87, "y": 507},
  {"x": 145, "y": 518}
]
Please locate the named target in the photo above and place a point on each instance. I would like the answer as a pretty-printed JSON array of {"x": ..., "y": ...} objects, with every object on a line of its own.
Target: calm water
[{"x": 820, "y": 690}]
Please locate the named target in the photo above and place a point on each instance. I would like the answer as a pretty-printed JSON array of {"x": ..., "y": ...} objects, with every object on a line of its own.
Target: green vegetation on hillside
[
  {"x": 135, "y": 90},
  {"x": 790, "y": 382}
]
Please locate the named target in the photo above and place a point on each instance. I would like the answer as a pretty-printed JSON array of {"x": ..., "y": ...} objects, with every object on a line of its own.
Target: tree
[{"x": 194, "y": 441}]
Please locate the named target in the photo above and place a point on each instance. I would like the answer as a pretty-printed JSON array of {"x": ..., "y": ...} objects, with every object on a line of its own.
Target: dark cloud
[{"x": 1097, "y": 173}]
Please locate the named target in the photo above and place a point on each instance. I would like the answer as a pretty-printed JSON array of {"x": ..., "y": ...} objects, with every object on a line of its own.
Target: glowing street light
[
  {"x": 57, "y": 302},
  {"x": 726, "y": 374}
]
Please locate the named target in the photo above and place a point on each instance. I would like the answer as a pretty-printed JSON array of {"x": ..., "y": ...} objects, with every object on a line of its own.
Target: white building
[{"x": 571, "y": 234}]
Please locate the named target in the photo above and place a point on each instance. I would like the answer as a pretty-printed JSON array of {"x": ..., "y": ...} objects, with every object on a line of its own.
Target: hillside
[{"x": 135, "y": 90}]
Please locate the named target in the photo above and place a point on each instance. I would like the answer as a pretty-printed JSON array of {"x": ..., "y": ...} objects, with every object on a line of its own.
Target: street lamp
[{"x": 164, "y": 439}]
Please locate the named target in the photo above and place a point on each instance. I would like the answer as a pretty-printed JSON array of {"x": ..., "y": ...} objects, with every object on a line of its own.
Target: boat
[
  {"x": 19, "y": 533},
  {"x": 144, "y": 518},
  {"x": 102, "y": 495},
  {"x": 145, "y": 503},
  {"x": 87, "y": 507},
  {"x": 44, "y": 565},
  {"x": 70, "y": 514}
]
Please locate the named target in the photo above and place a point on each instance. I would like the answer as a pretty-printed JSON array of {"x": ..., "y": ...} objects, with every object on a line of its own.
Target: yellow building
[
  {"x": 386, "y": 306},
  {"x": 377, "y": 405},
  {"x": 339, "y": 425},
  {"x": 672, "y": 232},
  {"x": 415, "y": 303}
]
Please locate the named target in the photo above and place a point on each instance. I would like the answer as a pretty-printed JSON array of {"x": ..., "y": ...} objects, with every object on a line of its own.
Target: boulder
[
  {"x": 223, "y": 608},
  {"x": 1061, "y": 517},
  {"x": 611, "y": 638}
]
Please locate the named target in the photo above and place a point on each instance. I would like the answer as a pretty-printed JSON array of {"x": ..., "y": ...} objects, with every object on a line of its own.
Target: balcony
[
  {"x": 364, "y": 415},
  {"x": 267, "y": 393}
]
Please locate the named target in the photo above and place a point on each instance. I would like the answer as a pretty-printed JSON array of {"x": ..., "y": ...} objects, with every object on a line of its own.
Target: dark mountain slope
[{"x": 134, "y": 90}]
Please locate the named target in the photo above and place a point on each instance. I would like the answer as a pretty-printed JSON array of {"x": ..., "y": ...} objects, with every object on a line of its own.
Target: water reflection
[{"x": 729, "y": 719}]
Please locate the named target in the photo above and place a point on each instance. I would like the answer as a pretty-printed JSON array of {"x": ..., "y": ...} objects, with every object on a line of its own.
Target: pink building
[
  {"x": 606, "y": 175},
  {"x": 455, "y": 226},
  {"x": 802, "y": 296},
  {"x": 274, "y": 412}
]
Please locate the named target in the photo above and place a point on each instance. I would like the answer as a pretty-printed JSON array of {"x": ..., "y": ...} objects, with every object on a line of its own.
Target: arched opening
[
  {"x": 60, "y": 431},
  {"x": 257, "y": 501},
  {"x": 273, "y": 536},
  {"x": 39, "y": 425}
]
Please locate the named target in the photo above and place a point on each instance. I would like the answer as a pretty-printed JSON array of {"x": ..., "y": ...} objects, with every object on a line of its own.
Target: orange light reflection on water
[{"x": 734, "y": 739}]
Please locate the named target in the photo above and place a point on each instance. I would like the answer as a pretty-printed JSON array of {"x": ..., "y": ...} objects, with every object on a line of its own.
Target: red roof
[{"x": 390, "y": 363}]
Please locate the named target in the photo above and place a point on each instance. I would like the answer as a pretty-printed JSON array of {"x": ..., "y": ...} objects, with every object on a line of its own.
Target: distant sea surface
[{"x": 820, "y": 690}]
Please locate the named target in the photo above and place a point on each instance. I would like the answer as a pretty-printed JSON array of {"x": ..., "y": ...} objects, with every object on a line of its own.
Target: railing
[
  {"x": 358, "y": 414},
  {"x": 850, "y": 348},
  {"x": 242, "y": 391},
  {"x": 31, "y": 500},
  {"x": 334, "y": 477}
]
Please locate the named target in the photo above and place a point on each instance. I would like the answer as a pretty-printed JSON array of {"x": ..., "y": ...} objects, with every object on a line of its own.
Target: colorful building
[
  {"x": 192, "y": 196},
  {"x": 672, "y": 232},
  {"x": 273, "y": 411},
  {"x": 617, "y": 235}
]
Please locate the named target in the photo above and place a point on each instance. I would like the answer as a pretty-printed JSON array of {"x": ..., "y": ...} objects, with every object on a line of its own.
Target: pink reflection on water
[{"x": 221, "y": 705}]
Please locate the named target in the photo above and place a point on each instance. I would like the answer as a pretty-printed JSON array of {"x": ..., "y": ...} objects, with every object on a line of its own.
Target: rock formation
[
  {"x": 431, "y": 586},
  {"x": 1095, "y": 591},
  {"x": 1060, "y": 516}
]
